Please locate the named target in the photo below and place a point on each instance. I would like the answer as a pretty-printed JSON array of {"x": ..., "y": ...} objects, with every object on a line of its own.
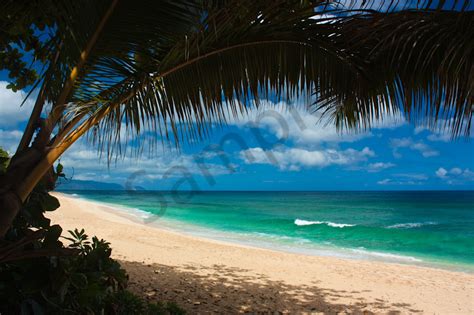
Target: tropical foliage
[
  {"x": 4, "y": 160},
  {"x": 39, "y": 274},
  {"x": 86, "y": 282}
]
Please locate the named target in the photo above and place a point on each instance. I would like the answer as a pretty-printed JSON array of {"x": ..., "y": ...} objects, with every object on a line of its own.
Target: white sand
[{"x": 206, "y": 276}]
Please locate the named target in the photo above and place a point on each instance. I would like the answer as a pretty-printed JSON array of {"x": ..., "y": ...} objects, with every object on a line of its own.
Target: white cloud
[
  {"x": 295, "y": 122},
  {"x": 419, "y": 129},
  {"x": 388, "y": 181},
  {"x": 9, "y": 140},
  {"x": 11, "y": 114},
  {"x": 443, "y": 137},
  {"x": 441, "y": 172},
  {"x": 456, "y": 171},
  {"x": 455, "y": 175},
  {"x": 82, "y": 162},
  {"x": 441, "y": 131},
  {"x": 468, "y": 174},
  {"x": 293, "y": 159},
  {"x": 435, "y": 134},
  {"x": 409, "y": 143},
  {"x": 403, "y": 179},
  {"x": 379, "y": 166}
]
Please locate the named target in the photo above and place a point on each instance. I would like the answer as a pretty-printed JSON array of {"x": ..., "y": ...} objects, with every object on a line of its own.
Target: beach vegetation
[
  {"x": 44, "y": 272},
  {"x": 4, "y": 160},
  {"x": 84, "y": 281}
]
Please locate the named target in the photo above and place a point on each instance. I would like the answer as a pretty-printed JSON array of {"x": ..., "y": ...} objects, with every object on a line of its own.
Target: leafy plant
[
  {"x": 39, "y": 274},
  {"x": 88, "y": 282},
  {"x": 4, "y": 160},
  {"x": 79, "y": 282}
]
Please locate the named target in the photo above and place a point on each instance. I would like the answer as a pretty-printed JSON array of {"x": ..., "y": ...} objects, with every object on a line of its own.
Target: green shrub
[
  {"x": 78, "y": 283},
  {"x": 41, "y": 275},
  {"x": 87, "y": 282}
]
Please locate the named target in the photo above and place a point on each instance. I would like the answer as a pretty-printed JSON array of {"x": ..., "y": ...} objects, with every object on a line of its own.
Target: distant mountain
[{"x": 75, "y": 184}]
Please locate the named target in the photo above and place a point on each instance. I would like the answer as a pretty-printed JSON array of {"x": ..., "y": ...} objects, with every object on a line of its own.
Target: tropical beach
[
  {"x": 171, "y": 157},
  {"x": 207, "y": 276}
]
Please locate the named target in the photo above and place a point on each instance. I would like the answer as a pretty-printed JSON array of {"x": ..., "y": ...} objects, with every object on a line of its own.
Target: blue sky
[{"x": 277, "y": 147}]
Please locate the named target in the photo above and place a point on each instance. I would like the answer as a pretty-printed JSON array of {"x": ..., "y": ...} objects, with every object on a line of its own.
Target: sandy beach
[{"x": 205, "y": 276}]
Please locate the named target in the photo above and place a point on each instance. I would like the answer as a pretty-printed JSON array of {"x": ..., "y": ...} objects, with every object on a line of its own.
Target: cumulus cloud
[
  {"x": 441, "y": 131},
  {"x": 441, "y": 172},
  {"x": 455, "y": 175},
  {"x": 82, "y": 162},
  {"x": 424, "y": 149},
  {"x": 9, "y": 139},
  {"x": 435, "y": 135},
  {"x": 293, "y": 159},
  {"x": 444, "y": 137},
  {"x": 295, "y": 122},
  {"x": 456, "y": 171},
  {"x": 11, "y": 114}
]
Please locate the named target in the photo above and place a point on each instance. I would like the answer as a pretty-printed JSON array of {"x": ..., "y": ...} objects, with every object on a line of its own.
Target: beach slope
[{"x": 206, "y": 276}]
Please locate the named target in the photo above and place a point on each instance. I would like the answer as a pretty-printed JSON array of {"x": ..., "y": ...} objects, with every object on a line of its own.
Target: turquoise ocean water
[{"x": 426, "y": 228}]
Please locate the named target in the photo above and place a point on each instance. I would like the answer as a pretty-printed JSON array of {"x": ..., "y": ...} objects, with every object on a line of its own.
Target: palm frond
[
  {"x": 172, "y": 67},
  {"x": 225, "y": 58},
  {"x": 418, "y": 62}
]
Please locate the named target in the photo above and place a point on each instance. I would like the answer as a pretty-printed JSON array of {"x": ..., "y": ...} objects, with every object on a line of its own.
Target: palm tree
[{"x": 171, "y": 66}]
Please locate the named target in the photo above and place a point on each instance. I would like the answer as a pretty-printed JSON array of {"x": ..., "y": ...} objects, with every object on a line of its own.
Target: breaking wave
[
  {"x": 300, "y": 222},
  {"x": 410, "y": 225}
]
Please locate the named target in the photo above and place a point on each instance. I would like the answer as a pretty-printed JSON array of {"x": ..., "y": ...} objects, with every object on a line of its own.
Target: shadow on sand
[{"x": 224, "y": 290}]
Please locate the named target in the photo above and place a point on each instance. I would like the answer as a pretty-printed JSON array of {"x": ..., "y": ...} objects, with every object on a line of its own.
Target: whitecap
[
  {"x": 410, "y": 225},
  {"x": 300, "y": 222}
]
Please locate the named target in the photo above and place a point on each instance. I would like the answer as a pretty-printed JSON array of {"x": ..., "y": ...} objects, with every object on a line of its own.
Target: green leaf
[
  {"x": 51, "y": 238},
  {"x": 49, "y": 202},
  {"x": 59, "y": 169}
]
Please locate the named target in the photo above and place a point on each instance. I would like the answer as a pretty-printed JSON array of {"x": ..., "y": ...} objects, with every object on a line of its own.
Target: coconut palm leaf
[
  {"x": 225, "y": 56},
  {"x": 171, "y": 67},
  {"x": 420, "y": 63}
]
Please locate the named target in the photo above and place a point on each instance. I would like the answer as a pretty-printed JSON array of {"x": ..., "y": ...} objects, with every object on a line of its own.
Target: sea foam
[
  {"x": 300, "y": 222},
  {"x": 410, "y": 225},
  {"x": 385, "y": 256}
]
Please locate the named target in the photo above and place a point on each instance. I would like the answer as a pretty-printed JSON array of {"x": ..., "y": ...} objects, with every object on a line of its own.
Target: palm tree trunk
[
  {"x": 38, "y": 107},
  {"x": 10, "y": 200},
  {"x": 17, "y": 184},
  {"x": 10, "y": 205}
]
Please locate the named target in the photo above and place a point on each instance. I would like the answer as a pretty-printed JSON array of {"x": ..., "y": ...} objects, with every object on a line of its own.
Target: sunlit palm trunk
[
  {"x": 20, "y": 180},
  {"x": 27, "y": 169}
]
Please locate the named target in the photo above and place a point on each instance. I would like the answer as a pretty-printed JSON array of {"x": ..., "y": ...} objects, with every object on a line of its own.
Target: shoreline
[
  {"x": 355, "y": 285},
  {"x": 232, "y": 238}
]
